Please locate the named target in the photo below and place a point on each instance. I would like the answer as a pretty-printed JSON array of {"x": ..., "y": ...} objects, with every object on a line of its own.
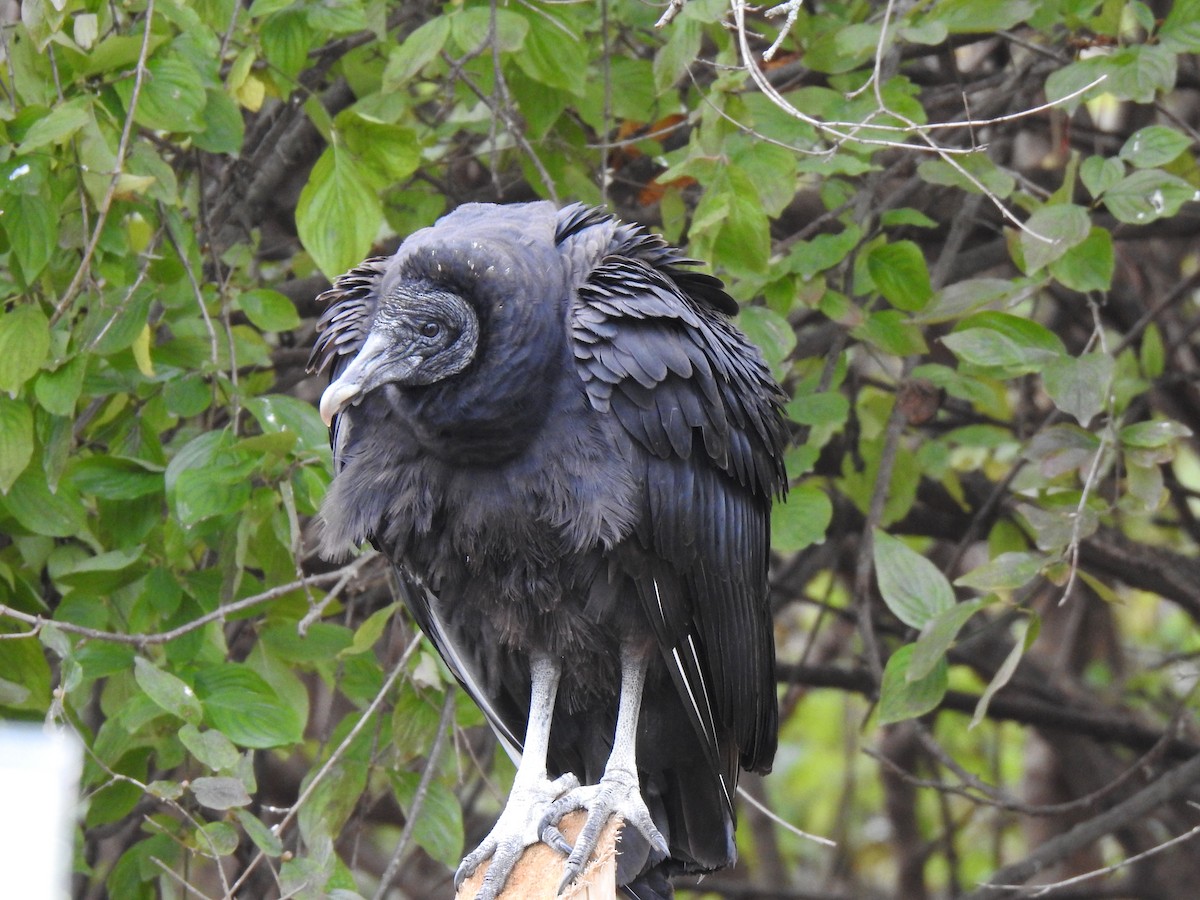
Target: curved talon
[
  {"x": 526, "y": 819},
  {"x": 474, "y": 860},
  {"x": 553, "y": 838},
  {"x": 618, "y": 793}
]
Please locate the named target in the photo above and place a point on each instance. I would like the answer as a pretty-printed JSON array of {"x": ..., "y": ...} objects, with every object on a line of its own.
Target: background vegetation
[{"x": 966, "y": 235}]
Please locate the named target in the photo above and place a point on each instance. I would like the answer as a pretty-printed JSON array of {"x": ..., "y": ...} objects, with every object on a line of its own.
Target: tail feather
[{"x": 651, "y": 885}]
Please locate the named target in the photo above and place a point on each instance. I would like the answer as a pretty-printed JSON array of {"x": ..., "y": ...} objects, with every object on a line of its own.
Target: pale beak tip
[{"x": 335, "y": 398}]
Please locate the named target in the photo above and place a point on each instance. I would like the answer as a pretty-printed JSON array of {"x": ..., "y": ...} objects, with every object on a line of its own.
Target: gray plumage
[{"x": 548, "y": 423}]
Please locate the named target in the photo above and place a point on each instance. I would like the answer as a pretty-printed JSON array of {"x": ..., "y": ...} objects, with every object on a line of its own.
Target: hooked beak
[{"x": 374, "y": 365}]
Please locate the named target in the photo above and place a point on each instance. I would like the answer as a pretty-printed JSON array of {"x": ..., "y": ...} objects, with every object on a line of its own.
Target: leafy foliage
[{"x": 987, "y": 329}]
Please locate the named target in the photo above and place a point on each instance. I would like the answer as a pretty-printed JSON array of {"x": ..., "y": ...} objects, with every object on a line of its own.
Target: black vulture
[{"x": 546, "y": 421}]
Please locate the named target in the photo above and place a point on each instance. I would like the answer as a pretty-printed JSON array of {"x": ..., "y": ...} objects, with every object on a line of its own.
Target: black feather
[{"x": 601, "y": 470}]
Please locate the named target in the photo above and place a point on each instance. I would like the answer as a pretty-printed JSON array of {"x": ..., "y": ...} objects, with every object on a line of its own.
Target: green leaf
[
  {"x": 213, "y": 839},
  {"x": 52, "y": 514},
  {"x": 823, "y": 252},
  {"x": 32, "y": 227},
  {"x": 957, "y": 300},
  {"x": 676, "y": 56},
  {"x": 390, "y": 153},
  {"x": 220, "y": 792},
  {"x": 58, "y": 391},
  {"x": 801, "y": 520},
  {"x": 1050, "y": 232},
  {"x": 911, "y": 586},
  {"x": 1130, "y": 73},
  {"x": 892, "y": 332},
  {"x": 211, "y": 748},
  {"x": 1146, "y": 195},
  {"x": 743, "y": 232},
  {"x": 16, "y": 441},
  {"x": 1153, "y": 435},
  {"x": 938, "y": 636},
  {"x": 286, "y": 39},
  {"x": 900, "y": 698},
  {"x": 1099, "y": 173},
  {"x": 113, "y": 327},
  {"x": 116, "y": 477},
  {"x": 1026, "y": 634},
  {"x": 472, "y": 29},
  {"x": 1152, "y": 355},
  {"x": 1180, "y": 31},
  {"x": 895, "y": 218},
  {"x": 169, "y": 692},
  {"x": 976, "y": 16},
  {"x": 104, "y": 572},
  {"x": 414, "y": 725},
  {"x": 1154, "y": 145},
  {"x": 224, "y": 128},
  {"x": 58, "y": 125},
  {"x": 322, "y": 641},
  {"x": 858, "y": 482},
  {"x": 900, "y": 274},
  {"x": 1062, "y": 448},
  {"x": 1088, "y": 266},
  {"x": 203, "y": 494},
  {"x": 418, "y": 50},
  {"x": 1006, "y": 572},
  {"x": 263, "y": 837},
  {"x": 24, "y": 342},
  {"x": 551, "y": 54},
  {"x": 439, "y": 828},
  {"x": 172, "y": 97},
  {"x": 825, "y": 408},
  {"x": 261, "y": 8},
  {"x": 1139, "y": 72},
  {"x": 25, "y": 671},
  {"x": 337, "y": 16},
  {"x": 968, "y": 172},
  {"x": 247, "y": 710},
  {"x": 269, "y": 310},
  {"x": 338, "y": 214},
  {"x": 369, "y": 632},
  {"x": 279, "y": 413},
  {"x": 844, "y": 49},
  {"x": 333, "y": 799},
  {"x": 208, "y": 477},
  {"x": 769, "y": 331},
  {"x": 1001, "y": 340},
  {"x": 1080, "y": 386}
]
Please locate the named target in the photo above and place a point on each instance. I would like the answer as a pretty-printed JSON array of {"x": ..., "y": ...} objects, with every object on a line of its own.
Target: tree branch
[{"x": 1010, "y": 878}]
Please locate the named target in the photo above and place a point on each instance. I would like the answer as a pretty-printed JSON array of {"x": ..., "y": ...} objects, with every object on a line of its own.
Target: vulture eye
[{"x": 431, "y": 329}]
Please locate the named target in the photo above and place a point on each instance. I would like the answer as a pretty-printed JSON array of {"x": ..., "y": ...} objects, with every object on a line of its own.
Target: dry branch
[{"x": 540, "y": 869}]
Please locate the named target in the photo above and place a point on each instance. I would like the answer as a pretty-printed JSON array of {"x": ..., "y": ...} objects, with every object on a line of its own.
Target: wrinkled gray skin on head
[{"x": 417, "y": 338}]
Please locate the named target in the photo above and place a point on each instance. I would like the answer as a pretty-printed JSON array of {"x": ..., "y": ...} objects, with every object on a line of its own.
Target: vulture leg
[
  {"x": 619, "y": 791},
  {"x": 532, "y": 792}
]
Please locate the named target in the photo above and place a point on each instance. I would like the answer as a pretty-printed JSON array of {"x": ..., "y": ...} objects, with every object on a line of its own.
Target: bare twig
[
  {"x": 342, "y": 576},
  {"x": 1011, "y": 878},
  {"x": 782, "y": 822},
  {"x": 1045, "y": 889},
  {"x": 445, "y": 724}
]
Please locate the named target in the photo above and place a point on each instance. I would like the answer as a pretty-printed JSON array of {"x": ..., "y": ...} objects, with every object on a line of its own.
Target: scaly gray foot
[
  {"x": 519, "y": 826},
  {"x": 618, "y": 793}
]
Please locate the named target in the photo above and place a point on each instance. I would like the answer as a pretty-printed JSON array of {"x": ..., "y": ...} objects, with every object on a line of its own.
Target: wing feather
[{"x": 654, "y": 346}]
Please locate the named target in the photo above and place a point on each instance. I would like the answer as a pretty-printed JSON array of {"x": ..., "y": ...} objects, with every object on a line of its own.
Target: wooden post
[{"x": 540, "y": 869}]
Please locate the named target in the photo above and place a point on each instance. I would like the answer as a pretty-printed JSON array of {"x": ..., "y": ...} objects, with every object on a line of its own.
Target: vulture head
[
  {"x": 420, "y": 335},
  {"x": 461, "y": 331}
]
